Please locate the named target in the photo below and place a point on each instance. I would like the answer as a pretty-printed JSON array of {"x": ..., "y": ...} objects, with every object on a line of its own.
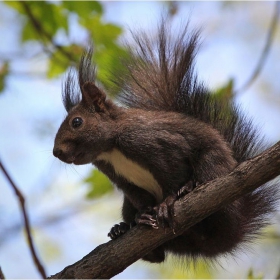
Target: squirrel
[{"x": 166, "y": 135}]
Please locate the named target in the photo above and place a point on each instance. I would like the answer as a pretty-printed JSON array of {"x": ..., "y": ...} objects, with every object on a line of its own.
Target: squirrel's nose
[{"x": 57, "y": 152}]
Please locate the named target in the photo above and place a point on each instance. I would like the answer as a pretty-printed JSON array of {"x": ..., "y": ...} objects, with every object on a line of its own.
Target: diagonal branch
[
  {"x": 113, "y": 257},
  {"x": 266, "y": 49},
  {"x": 1, "y": 274},
  {"x": 42, "y": 32},
  {"x": 26, "y": 221}
]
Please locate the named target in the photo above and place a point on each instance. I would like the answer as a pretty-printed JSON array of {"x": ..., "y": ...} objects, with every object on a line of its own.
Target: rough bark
[{"x": 113, "y": 257}]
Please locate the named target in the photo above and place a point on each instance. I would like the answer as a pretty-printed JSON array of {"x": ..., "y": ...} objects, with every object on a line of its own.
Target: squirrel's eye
[{"x": 77, "y": 122}]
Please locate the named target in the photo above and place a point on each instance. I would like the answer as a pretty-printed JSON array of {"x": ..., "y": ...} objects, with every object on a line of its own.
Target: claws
[
  {"x": 152, "y": 224},
  {"x": 187, "y": 188},
  {"x": 118, "y": 230},
  {"x": 161, "y": 215},
  {"x": 147, "y": 218},
  {"x": 165, "y": 212}
]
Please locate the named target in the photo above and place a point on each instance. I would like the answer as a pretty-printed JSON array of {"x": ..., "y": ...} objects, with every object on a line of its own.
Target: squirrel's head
[{"x": 88, "y": 128}]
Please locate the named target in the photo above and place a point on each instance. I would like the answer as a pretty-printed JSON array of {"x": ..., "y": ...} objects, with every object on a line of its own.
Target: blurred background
[{"x": 72, "y": 208}]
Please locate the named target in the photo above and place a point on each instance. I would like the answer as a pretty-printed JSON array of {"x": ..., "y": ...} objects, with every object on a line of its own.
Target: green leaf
[
  {"x": 225, "y": 93},
  {"x": 109, "y": 66},
  {"x": 48, "y": 15},
  {"x": 4, "y": 71},
  {"x": 99, "y": 184},
  {"x": 42, "y": 19},
  {"x": 57, "y": 65},
  {"x": 15, "y": 5},
  {"x": 250, "y": 275},
  {"x": 83, "y": 8},
  {"x": 103, "y": 35},
  {"x": 59, "y": 62},
  {"x": 28, "y": 33}
]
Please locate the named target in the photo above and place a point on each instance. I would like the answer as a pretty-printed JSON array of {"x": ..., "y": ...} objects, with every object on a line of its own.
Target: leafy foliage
[
  {"x": 43, "y": 19},
  {"x": 44, "y": 22},
  {"x": 99, "y": 184},
  {"x": 83, "y": 8},
  {"x": 56, "y": 65}
]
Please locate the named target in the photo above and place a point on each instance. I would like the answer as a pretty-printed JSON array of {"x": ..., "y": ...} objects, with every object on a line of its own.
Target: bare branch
[
  {"x": 114, "y": 256},
  {"x": 265, "y": 51},
  {"x": 278, "y": 275},
  {"x": 1, "y": 274},
  {"x": 26, "y": 221}
]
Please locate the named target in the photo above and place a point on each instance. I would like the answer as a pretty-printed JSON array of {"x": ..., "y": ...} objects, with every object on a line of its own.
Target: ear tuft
[{"x": 92, "y": 95}]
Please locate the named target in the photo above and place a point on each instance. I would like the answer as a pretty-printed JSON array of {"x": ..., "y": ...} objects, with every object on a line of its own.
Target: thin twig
[
  {"x": 43, "y": 33},
  {"x": 26, "y": 221},
  {"x": 2, "y": 276},
  {"x": 265, "y": 51}
]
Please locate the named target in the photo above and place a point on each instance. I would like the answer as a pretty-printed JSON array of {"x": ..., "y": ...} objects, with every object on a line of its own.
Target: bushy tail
[{"x": 160, "y": 76}]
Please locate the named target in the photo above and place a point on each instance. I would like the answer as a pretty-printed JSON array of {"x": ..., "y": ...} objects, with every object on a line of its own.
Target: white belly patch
[{"x": 132, "y": 172}]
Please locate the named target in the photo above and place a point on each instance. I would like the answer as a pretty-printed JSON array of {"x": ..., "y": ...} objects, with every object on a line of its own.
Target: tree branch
[
  {"x": 266, "y": 49},
  {"x": 26, "y": 221},
  {"x": 114, "y": 256},
  {"x": 36, "y": 23},
  {"x": 1, "y": 274}
]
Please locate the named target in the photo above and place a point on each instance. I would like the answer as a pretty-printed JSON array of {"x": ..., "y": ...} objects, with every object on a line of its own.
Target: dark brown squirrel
[{"x": 166, "y": 135}]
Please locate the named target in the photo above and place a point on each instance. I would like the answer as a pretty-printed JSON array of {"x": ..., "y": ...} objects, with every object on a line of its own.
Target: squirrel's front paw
[{"x": 118, "y": 230}]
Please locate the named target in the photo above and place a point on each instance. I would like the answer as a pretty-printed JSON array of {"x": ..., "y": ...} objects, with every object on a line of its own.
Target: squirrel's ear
[{"x": 92, "y": 95}]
